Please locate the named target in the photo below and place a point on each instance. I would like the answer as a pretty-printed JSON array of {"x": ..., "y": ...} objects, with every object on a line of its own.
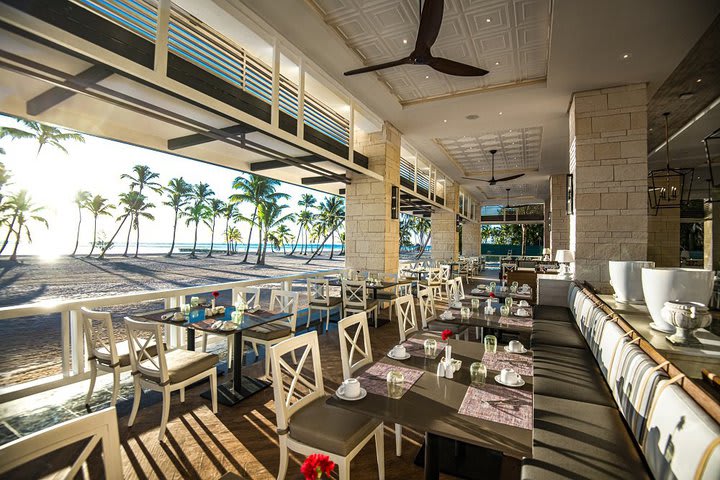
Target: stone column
[
  {"x": 608, "y": 158},
  {"x": 546, "y": 224},
  {"x": 372, "y": 237},
  {"x": 559, "y": 220},
  {"x": 443, "y": 231},
  {"x": 664, "y": 236},
  {"x": 471, "y": 238},
  {"x": 711, "y": 231}
]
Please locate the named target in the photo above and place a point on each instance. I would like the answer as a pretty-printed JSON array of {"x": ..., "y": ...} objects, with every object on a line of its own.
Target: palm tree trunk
[
  {"x": 127, "y": 241},
  {"x": 227, "y": 240},
  {"x": 102, "y": 254},
  {"x": 422, "y": 249},
  {"x": 137, "y": 237},
  {"x": 10, "y": 231},
  {"x": 297, "y": 240},
  {"x": 212, "y": 239},
  {"x": 77, "y": 237},
  {"x": 13, "y": 257},
  {"x": 284, "y": 251},
  {"x": 332, "y": 244},
  {"x": 172, "y": 245},
  {"x": 319, "y": 248},
  {"x": 262, "y": 246},
  {"x": 94, "y": 237},
  {"x": 192, "y": 254},
  {"x": 252, "y": 224}
]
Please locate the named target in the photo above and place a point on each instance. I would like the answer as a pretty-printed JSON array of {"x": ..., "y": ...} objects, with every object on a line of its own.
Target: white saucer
[
  {"x": 655, "y": 327},
  {"x": 407, "y": 355},
  {"x": 518, "y": 314},
  {"x": 173, "y": 319},
  {"x": 507, "y": 349},
  {"x": 516, "y": 385},
  {"x": 340, "y": 394},
  {"x": 230, "y": 328}
]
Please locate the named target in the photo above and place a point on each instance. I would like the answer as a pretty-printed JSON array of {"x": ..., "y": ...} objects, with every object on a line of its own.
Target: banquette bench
[{"x": 607, "y": 405}]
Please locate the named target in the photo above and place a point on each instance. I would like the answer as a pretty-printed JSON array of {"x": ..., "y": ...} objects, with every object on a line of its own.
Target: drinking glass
[
  {"x": 514, "y": 284},
  {"x": 430, "y": 346},
  {"x": 504, "y": 310},
  {"x": 492, "y": 287},
  {"x": 475, "y": 302},
  {"x": 465, "y": 312},
  {"x": 478, "y": 373},
  {"x": 395, "y": 381},
  {"x": 194, "y": 301},
  {"x": 490, "y": 343},
  {"x": 509, "y": 301}
]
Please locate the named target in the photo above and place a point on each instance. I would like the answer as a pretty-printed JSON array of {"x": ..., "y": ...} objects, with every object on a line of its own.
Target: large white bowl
[
  {"x": 626, "y": 279},
  {"x": 661, "y": 285}
]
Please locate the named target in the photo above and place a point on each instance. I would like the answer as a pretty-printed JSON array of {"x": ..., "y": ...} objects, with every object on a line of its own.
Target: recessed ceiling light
[
  {"x": 626, "y": 56},
  {"x": 699, "y": 80},
  {"x": 427, "y": 76},
  {"x": 500, "y": 113},
  {"x": 405, "y": 41},
  {"x": 487, "y": 20},
  {"x": 444, "y": 121},
  {"x": 497, "y": 63}
]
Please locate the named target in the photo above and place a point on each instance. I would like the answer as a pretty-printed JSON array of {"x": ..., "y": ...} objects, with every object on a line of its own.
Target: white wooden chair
[
  {"x": 306, "y": 424},
  {"x": 96, "y": 428},
  {"x": 453, "y": 286},
  {"x": 445, "y": 271},
  {"x": 359, "y": 343},
  {"x": 464, "y": 269},
  {"x": 271, "y": 333},
  {"x": 430, "y": 321},
  {"x": 104, "y": 352},
  {"x": 434, "y": 282},
  {"x": 387, "y": 298},
  {"x": 319, "y": 299},
  {"x": 165, "y": 372},
  {"x": 355, "y": 299},
  {"x": 407, "y": 321}
]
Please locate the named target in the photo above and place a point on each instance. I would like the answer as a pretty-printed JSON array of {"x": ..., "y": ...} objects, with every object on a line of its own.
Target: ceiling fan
[
  {"x": 494, "y": 180},
  {"x": 430, "y": 22},
  {"x": 507, "y": 205}
]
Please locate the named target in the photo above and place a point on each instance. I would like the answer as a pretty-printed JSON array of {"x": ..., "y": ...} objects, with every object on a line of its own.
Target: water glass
[
  {"x": 504, "y": 310},
  {"x": 395, "y": 382},
  {"x": 490, "y": 343},
  {"x": 478, "y": 373},
  {"x": 475, "y": 302},
  {"x": 509, "y": 301},
  {"x": 465, "y": 312},
  {"x": 194, "y": 301},
  {"x": 430, "y": 346}
]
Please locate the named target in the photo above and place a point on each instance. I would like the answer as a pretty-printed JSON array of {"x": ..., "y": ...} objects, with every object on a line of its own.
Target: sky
[{"x": 53, "y": 178}]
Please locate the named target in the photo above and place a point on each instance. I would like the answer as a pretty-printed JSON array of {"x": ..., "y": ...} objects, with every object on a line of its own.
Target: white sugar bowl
[{"x": 685, "y": 317}]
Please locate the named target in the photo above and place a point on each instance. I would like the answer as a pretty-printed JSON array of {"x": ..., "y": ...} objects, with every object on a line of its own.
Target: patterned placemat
[
  {"x": 522, "y": 364},
  {"x": 374, "y": 379},
  {"x": 525, "y": 322},
  {"x": 416, "y": 347},
  {"x": 498, "y": 404}
]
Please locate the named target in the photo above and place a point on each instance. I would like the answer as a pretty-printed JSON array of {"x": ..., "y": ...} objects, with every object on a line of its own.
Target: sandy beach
[{"x": 31, "y": 346}]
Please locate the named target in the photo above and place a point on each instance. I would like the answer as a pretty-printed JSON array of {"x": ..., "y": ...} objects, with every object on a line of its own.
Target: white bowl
[
  {"x": 626, "y": 279},
  {"x": 662, "y": 285}
]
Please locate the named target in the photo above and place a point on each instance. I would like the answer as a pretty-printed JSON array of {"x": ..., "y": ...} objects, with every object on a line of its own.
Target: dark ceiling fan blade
[
  {"x": 511, "y": 177},
  {"x": 430, "y": 23},
  {"x": 477, "y": 179},
  {"x": 372, "y": 68},
  {"x": 452, "y": 67}
]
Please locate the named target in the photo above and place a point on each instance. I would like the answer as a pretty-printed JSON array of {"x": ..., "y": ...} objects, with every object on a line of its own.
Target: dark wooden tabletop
[
  {"x": 250, "y": 319},
  {"x": 479, "y": 319}
]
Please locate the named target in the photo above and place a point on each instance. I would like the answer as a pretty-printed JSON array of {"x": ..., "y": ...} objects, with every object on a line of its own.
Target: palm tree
[
  {"x": 42, "y": 134},
  {"x": 233, "y": 237},
  {"x": 141, "y": 210},
  {"x": 331, "y": 216},
  {"x": 216, "y": 208},
  {"x": 98, "y": 206},
  {"x": 4, "y": 178},
  {"x": 342, "y": 243},
  {"x": 307, "y": 201},
  {"x": 283, "y": 235},
  {"x": 178, "y": 195},
  {"x": 130, "y": 201},
  {"x": 269, "y": 216},
  {"x": 81, "y": 199},
  {"x": 422, "y": 229},
  {"x": 255, "y": 189},
  {"x": 198, "y": 211},
  {"x": 304, "y": 220},
  {"x": 24, "y": 212},
  {"x": 141, "y": 177},
  {"x": 229, "y": 213}
]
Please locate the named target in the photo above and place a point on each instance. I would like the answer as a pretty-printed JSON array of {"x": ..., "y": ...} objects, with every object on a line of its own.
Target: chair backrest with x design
[
  {"x": 318, "y": 291},
  {"x": 427, "y": 306},
  {"x": 445, "y": 272},
  {"x": 249, "y": 295},
  {"x": 451, "y": 289},
  {"x": 99, "y": 336},
  {"x": 354, "y": 294},
  {"x": 355, "y": 343},
  {"x": 460, "y": 287},
  {"x": 407, "y": 322},
  {"x": 291, "y": 386},
  {"x": 434, "y": 276},
  {"x": 141, "y": 337},
  {"x": 287, "y": 302}
]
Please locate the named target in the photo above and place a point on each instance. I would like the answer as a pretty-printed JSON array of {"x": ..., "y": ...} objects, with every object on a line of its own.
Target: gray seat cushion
[
  {"x": 560, "y": 334},
  {"x": 184, "y": 364},
  {"x": 552, "y": 312},
  {"x": 581, "y": 441},
  {"x": 333, "y": 302},
  {"x": 269, "y": 331},
  {"x": 330, "y": 428},
  {"x": 569, "y": 373},
  {"x": 123, "y": 352},
  {"x": 370, "y": 304}
]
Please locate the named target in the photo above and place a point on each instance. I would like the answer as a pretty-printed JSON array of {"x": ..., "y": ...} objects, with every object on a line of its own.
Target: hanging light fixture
[
  {"x": 669, "y": 187},
  {"x": 714, "y": 136}
]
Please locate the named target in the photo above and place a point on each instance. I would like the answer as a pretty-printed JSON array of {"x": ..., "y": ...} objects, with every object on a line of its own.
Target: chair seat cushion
[
  {"x": 184, "y": 364},
  {"x": 370, "y": 304},
  {"x": 581, "y": 441},
  {"x": 332, "y": 302},
  {"x": 330, "y": 428},
  {"x": 269, "y": 331},
  {"x": 552, "y": 312},
  {"x": 123, "y": 351},
  {"x": 569, "y": 373},
  {"x": 560, "y": 334}
]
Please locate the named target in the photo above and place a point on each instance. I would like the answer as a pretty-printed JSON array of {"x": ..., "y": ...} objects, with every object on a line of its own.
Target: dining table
[
  {"x": 500, "y": 293},
  {"x": 240, "y": 386},
  {"x": 478, "y": 318},
  {"x": 375, "y": 287},
  {"x": 488, "y": 415}
]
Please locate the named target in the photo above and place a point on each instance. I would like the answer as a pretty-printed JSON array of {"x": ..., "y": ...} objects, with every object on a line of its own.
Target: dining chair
[
  {"x": 387, "y": 298},
  {"x": 104, "y": 351},
  {"x": 318, "y": 293},
  {"x": 166, "y": 372},
  {"x": 359, "y": 343},
  {"x": 250, "y": 296},
  {"x": 430, "y": 321},
  {"x": 407, "y": 321},
  {"x": 355, "y": 299},
  {"x": 445, "y": 271},
  {"x": 464, "y": 269},
  {"x": 434, "y": 282},
  {"x": 306, "y": 423},
  {"x": 271, "y": 333}
]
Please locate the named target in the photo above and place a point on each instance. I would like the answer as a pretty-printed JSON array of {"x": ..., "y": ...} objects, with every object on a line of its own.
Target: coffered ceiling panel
[
  {"x": 510, "y": 38},
  {"x": 520, "y": 193}
]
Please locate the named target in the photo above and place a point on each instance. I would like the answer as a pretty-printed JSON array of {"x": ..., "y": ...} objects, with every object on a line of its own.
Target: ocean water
[{"x": 152, "y": 248}]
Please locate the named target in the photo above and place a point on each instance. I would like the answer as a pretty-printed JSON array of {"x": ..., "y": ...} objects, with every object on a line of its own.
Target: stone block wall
[
  {"x": 443, "y": 231},
  {"x": 559, "y": 220},
  {"x": 608, "y": 153},
  {"x": 471, "y": 239},
  {"x": 664, "y": 236}
]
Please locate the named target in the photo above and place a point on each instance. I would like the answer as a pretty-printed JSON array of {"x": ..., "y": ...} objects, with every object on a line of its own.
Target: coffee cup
[
  {"x": 398, "y": 351},
  {"x": 352, "y": 387},
  {"x": 508, "y": 376},
  {"x": 524, "y": 303},
  {"x": 515, "y": 346}
]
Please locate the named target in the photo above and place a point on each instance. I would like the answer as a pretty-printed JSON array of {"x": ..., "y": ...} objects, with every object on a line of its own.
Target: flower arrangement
[
  {"x": 492, "y": 295},
  {"x": 447, "y": 333},
  {"x": 215, "y": 295},
  {"x": 315, "y": 465}
]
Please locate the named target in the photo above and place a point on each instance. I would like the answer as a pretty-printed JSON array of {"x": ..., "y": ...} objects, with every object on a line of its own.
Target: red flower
[
  {"x": 492, "y": 295},
  {"x": 447, "y": 333},
  {"x": 315, "y": 465},
  {"x": 216, "y": 294}
]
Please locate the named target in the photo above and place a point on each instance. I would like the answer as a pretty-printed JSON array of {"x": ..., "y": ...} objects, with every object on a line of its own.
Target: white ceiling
[
  {"x": 587, "y": 41},
  {"x": 509, "y": 38}
]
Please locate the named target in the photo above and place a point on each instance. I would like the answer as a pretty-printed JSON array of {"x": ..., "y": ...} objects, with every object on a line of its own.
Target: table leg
[
  {"x": 432, "y": 457},
  {"x": 190, "y": 338}
]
